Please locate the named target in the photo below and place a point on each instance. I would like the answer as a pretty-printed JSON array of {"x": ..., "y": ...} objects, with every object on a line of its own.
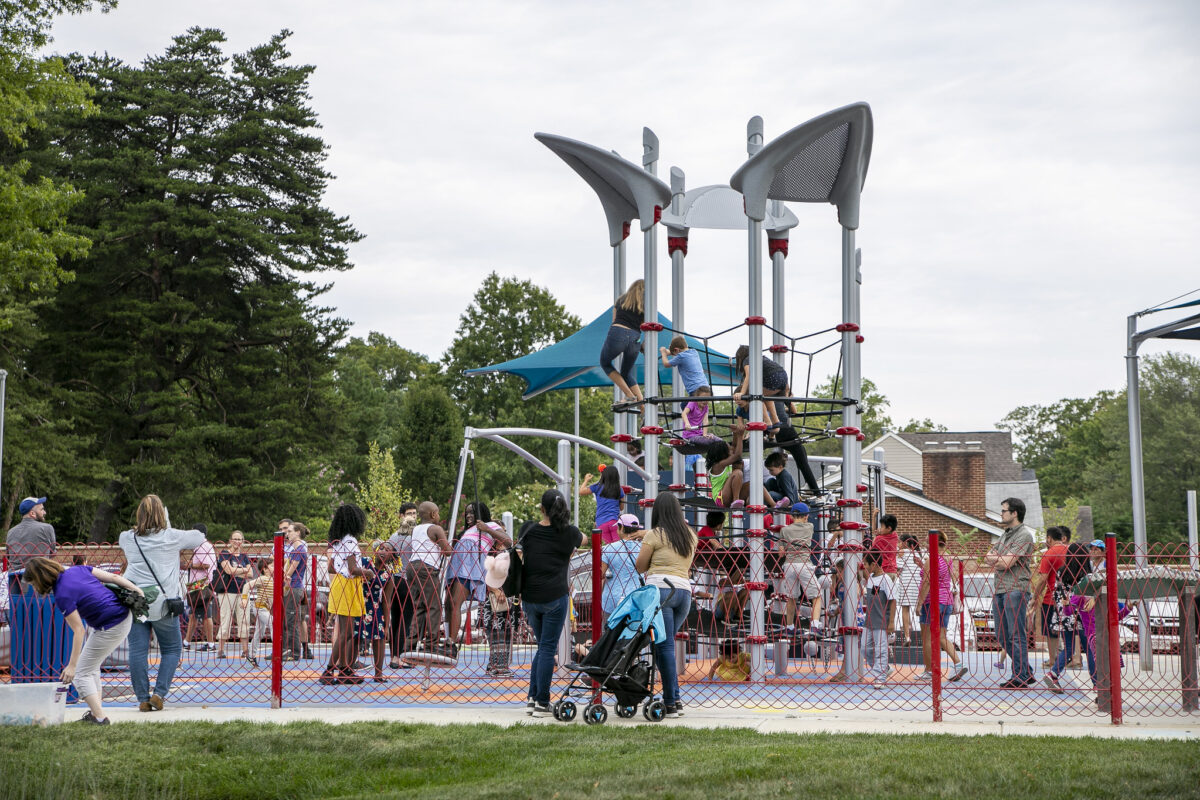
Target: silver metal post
[
  {"x": 564, "y": 469},
  {"x": 778, "y": 295},
  {"x": 618, "y": 290},
  {"x": 851, "y": 451},
  {"x": 877, "y": 485},
  {"x": 1193, "y": 554},
  {"x": 678, "y": 463},
  {"x": 755, "y": 518},
  {"x": 1138, "y": 480},
  {"x": 650, "y": 342}
]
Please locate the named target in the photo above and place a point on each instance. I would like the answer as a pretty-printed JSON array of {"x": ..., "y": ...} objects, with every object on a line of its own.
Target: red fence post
[
  {"x": 962, "y": 613},
  {"x": 312, "y": 604},
  {"x": 597, "y": 591},
  {"x": 277, "y": 623},
  {"x": 1114, "y": 639},
  {"x": 935, "y": 628}
]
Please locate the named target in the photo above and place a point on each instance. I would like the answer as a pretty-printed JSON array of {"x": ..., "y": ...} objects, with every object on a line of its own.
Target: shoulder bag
[{"x": 174, "y": 605}]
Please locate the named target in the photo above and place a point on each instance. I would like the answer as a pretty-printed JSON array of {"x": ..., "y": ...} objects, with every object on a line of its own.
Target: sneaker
[
  {"x": 1052, "y": 683},
  {"x": 187, "y": 645},
  {"x": 783, "y": 503},
  {"x": 90, "y": 718},
  {"x": 1000, "y": 665},
  {"x": 252, "y": 661},
  {"x": 540, "y": 710},
  {"x": 221, "y": 655},
  {"x": 156, "y": 702},
  {"x": 145, "y": 706},
  {"x": 925, "y": 677},
  {"x": 347, "y": 677},
  {"x": 308, "y": 653},
  {"x": 328, "y": 677},
  {"x": 737, "y": 504},
  {"x": 529, "y": 706},
  {"x": 670, "y": 710},
  {"x": 204, "y": 647},
  {"x": 879, "y": 684},
  {"x": 957, "y": 673},
  {"x": 358, "y": 665}
]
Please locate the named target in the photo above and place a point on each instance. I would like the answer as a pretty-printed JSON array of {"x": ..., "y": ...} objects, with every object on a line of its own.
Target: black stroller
[{"x": 618, "y": 663}]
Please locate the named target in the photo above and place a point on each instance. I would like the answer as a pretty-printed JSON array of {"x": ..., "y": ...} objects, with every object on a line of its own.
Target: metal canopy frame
[{"x": 1186, "y": 328}]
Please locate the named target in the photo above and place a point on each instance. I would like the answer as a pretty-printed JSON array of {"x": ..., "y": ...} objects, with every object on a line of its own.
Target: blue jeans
[
  {"x": 622, "y": 342},
  {"x": 170, "y": 646},
  {"x": 546, "y": 620},
  {"x": 675, "y": 609},
  {"x": 1008, "y": 610}
]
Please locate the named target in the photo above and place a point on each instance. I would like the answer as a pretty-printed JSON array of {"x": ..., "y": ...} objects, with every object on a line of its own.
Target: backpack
[{"x": 514, "y": 584}]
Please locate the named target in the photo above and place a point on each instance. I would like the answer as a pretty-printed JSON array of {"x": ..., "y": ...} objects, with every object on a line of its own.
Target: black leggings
[{"x": 400, "y": 610}]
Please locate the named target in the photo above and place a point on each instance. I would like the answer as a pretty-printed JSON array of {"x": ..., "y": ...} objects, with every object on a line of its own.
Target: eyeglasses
[{"x": 1006, "y": 511}]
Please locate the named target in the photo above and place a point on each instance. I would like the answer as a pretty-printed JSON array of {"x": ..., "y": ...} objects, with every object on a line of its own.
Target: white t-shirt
[
  {"x": 342, "y": 552},
  {"x": 161, "y": 550}
]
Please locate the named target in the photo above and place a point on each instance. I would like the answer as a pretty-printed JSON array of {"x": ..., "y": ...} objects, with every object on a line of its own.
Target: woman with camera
[
  {"x": 152, "y": 549},
  {"x": 80, "y": 594}
]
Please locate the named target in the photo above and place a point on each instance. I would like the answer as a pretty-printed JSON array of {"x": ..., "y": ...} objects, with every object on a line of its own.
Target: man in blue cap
[{"x": 30, "y": 537}]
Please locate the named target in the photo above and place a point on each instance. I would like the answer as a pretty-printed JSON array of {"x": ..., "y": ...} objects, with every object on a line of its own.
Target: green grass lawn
[{"x": 382, "y": 760}]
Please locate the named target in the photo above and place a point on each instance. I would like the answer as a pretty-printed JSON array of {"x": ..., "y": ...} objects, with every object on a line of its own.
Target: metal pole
[
  {"x": 851, "y": 451},
  {"x": 1193, "y": 553},
  {"x": 277, "y": 624},
  {"x": 575, "y": 474},
  {"x": 778, "y": 296},
  {"x": 618, "y": 290},
  {"x": 1114, "y": 644},
  {"x": 935, "y": 642},
  {"x": 1134, "y": 405},
  {"x": 755, "y": 531},
  {"x": 678, "y": 464},
  {"x": 650, "y": 342},
  {"x": 564, "y": 469}
]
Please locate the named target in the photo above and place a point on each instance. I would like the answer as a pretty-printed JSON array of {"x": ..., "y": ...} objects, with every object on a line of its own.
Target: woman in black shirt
[
  {"x": 546, "y": 555},
  {"x": 624, "y": 336}
]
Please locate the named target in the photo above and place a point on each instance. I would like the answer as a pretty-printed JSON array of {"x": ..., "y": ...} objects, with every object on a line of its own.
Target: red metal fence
[{"x": 1135, "y": 624}]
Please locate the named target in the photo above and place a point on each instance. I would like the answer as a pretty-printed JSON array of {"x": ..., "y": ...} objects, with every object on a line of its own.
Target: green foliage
[
  {"x": 875, "y": 419},
  {"x": 921, "y": 426},
  {"x": 382, "y": 493},
  {"x": 524, "y": 502},
  {"x": 192, "y": 349},
  {"x": 431, "y": 435},
  {"x": 1080, "y": 448},
  {"x": 1066, "y": 514},
  {"x": 506, "y": 319}
]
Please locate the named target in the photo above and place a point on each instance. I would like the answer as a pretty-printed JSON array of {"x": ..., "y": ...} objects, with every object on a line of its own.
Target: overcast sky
[{"x": 1033, "y": 181}]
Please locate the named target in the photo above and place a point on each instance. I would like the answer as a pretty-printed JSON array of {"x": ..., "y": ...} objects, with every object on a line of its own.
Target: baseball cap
[
  {"x": 800, "y": 508},
  {"x": 1098, "y": 543},
  {"x": 28, "y": 503},
  {"x": 629, "y": 521}
]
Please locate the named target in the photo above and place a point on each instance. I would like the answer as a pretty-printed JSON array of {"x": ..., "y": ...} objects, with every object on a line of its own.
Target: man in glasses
[{"x": 1010, "y": 558}]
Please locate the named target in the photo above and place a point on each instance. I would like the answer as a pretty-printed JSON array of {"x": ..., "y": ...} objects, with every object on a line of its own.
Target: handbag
[
  {"x": 514, "y": 584},
  {"x": 173, "y": 606},
  {"x": 134, "y": 601}
]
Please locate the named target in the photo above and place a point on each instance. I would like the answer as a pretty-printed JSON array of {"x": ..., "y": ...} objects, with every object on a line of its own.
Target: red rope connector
[
  {"x": 775, "y": 528},
  {"x": 860, "y": 437},
  {"x": 849, "y": 630},
  {"x": 756, "y": 586},
  {"x": 677, "y": 487},
  {"x": 848, "y": 430},
  {"x": 756, "y": 509},
  {"x": 676, "y": 442},
  {"x": 625, "y": 231},
  {"x": 851, "y": 526},
  {"x": 850, "y": 547},
  {"x": 652, "y": 430},
  {"x": 850, "y": 503},
  {"x": 756, "y": 426},
  {"x": 682, "y": 636},
  {"x": 847, "y": 327},
  {"x": 860, "y": 338},
  {"x": 862, "y": 487},
  {"x": 778, "y": 348},
  {"x": 652, "y": 326},
  {"x": 646, "y": 502},
  {"x": 756, "y": 640},
  {"x": 630, "y": 490},
  {"x": 657, "y": 214},
  {"x": 620, "y": 438},
  {"x": 777, "y": 246},
  {"x": 676, "y": 244},
  {"x": 756, "y": 320},
  {"x": 756, "y": 533}
]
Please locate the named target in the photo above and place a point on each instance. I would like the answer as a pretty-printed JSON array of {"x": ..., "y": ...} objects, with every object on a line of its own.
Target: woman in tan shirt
[{"x": 666, "y": 560}]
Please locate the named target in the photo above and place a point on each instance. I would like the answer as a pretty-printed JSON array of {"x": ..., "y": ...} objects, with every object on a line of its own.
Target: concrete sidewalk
[{"x": 774, "y": 721}]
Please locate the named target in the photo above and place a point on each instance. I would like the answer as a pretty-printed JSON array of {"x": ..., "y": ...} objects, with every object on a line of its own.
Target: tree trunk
[{"x": 102, "y": 521}]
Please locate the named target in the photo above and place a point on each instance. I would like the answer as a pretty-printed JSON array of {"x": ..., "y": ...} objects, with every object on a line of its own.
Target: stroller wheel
[
  {"x": 595, "y": 714},
  {"x": 565, "y": 710},
  {"x": 654, "y": 711},
  {"x": 624, "y": 712}
]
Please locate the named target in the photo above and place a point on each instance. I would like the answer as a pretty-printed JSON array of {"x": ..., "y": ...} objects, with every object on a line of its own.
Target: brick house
[{"x": 954, "y": 482}]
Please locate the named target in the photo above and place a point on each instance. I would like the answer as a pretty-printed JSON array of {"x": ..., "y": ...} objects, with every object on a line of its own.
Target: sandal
[{"x": 394, "y": 664}]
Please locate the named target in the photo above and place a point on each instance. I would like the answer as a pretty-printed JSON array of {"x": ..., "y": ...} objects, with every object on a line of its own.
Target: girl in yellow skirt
[{"x": 345, "y": 591}]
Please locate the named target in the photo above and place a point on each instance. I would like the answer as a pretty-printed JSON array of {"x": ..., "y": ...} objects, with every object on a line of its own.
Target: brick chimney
[{"x": 953, "y": 474}]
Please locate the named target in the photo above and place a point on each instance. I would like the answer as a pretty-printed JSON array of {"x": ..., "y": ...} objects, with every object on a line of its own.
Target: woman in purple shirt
[{"x": 82, "y": 597}]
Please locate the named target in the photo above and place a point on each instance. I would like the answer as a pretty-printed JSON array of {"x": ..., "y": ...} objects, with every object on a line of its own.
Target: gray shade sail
[
  {"x": 626, "y": 191},
  {"x": 720, "y": 208},
  {"x": 823, "y": 160}
]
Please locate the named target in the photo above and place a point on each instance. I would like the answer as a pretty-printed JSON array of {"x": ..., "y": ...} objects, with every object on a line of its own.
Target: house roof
[
  {"x": 998, "y": 462},
  {"x": 945, "y": 511}
]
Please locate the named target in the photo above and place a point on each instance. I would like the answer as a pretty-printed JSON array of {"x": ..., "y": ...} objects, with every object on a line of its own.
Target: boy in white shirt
[{"x": 880, "y": 601}]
